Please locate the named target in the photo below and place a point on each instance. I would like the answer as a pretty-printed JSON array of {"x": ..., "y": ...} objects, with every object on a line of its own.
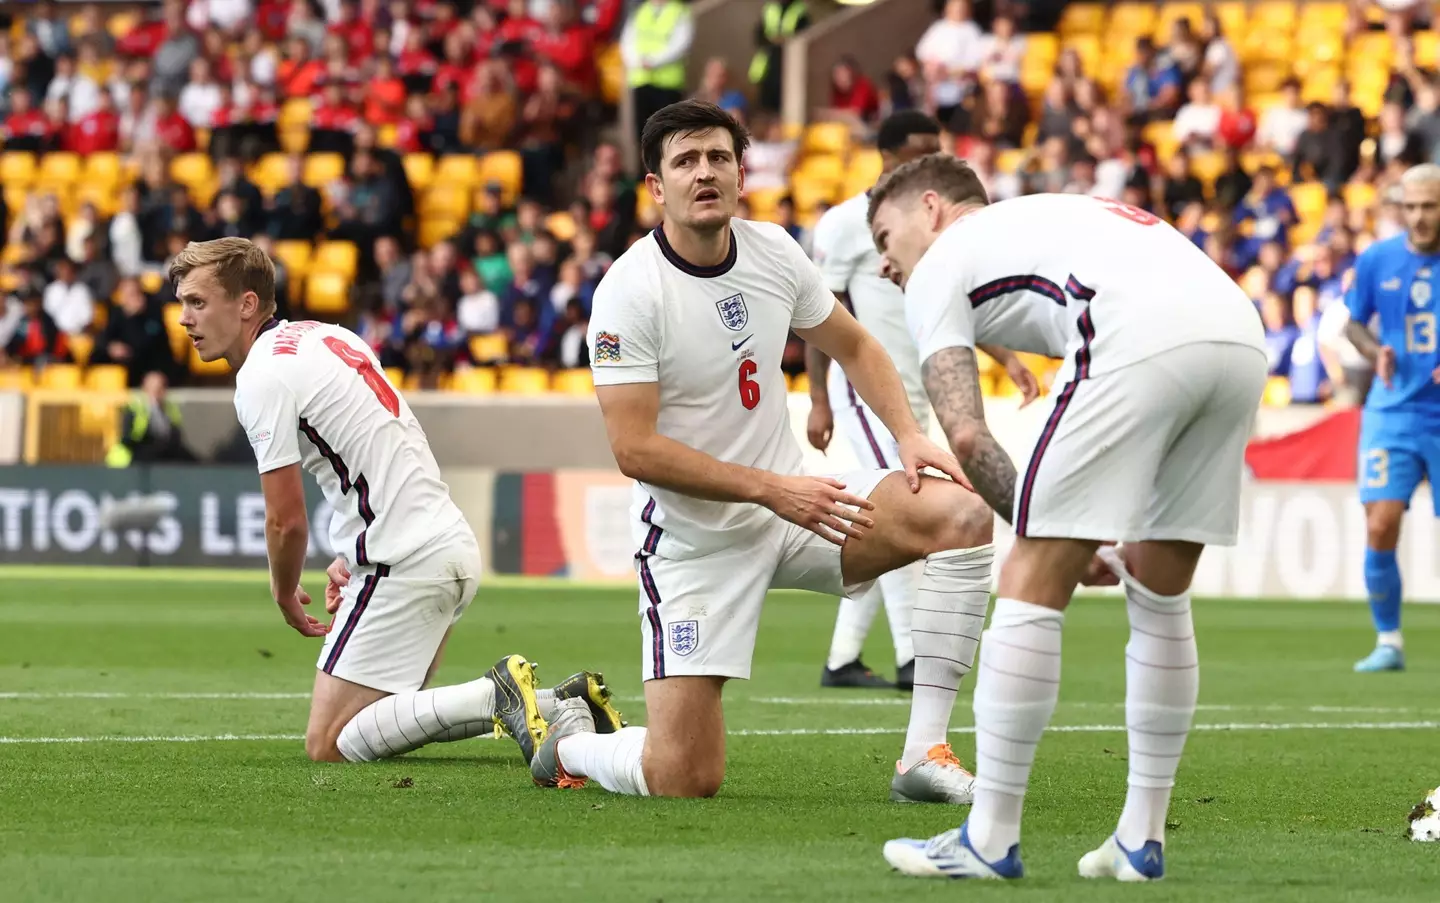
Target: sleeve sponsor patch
[
  {"x": 259, "y": 437},
  {"x": 607, "y": 347}
]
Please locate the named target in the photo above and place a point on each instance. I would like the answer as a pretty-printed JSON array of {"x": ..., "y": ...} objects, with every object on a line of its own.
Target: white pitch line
[
  {"x": 796, "y": 732},
  {"x": 154, "y": 695}
]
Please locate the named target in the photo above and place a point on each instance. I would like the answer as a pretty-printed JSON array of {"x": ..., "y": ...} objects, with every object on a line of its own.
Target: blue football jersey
[{"x": 1398, "y": 286}]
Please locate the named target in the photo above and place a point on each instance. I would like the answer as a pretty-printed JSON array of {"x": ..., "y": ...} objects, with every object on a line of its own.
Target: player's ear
[
  {"x": 742, "y": 179},
  {"x": 249, "y": 304},
  {"x": 656, "y": 187}
]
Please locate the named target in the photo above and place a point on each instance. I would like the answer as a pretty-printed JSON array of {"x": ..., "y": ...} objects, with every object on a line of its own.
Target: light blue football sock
[{"x": 1382, "y": 583}]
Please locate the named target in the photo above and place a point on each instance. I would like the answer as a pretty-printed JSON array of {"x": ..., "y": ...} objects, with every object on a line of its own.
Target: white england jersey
[
  {"x": 1098, "y": 283},
  {"x": 713, "y": 338},
  {"x": 848, "y": 261},
  {"x": 315, "y": 393}
]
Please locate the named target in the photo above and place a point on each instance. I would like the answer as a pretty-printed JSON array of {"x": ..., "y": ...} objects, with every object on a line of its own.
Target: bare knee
[
  {"x": 322, "y": 746},
  {"x": 960, "y": 520},
  {"x": 1164, "y": 567},
  {"x": 677, "y": 776},
  {"x": 1382, "y": 525}
]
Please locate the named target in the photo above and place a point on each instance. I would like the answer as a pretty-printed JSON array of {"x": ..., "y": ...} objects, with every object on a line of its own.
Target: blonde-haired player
[{"x": 312, "y": 396}]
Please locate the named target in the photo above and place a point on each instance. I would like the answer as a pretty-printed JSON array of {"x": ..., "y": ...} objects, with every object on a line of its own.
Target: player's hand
[
  {"x": 821, "y": 425},
  {"x": 822, "y": 506},
  {"x": 918, "y": 452},
  {"x": 1106, "y": 567},
  {"x": 1385, "y": 366},
  {"x": 293, "y": 609},
  {"x": 339, "y": 578},
  {"x": 1023, "y": 378}
]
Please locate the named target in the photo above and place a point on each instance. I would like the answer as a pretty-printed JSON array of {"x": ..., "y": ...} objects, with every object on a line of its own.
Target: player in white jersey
[
  {"x": 851, "y": 267},
  {"x": 313, "y": 396},
  {"x": 1144, "y": 445},
  {"x": 687, "y": 334}
]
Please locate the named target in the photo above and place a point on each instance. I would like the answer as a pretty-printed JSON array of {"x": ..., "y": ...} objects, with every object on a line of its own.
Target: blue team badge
[
  {"x": 684, "y": 637},
  {"x": 733, "y": 313}
]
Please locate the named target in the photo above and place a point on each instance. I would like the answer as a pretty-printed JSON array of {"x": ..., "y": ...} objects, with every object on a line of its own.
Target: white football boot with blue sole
[
  {"x": 1114, "y": 861},
  {"x": 950, "y": 855}
]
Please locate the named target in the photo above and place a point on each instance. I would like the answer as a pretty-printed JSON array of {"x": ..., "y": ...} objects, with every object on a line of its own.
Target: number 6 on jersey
[
  {"x": 749, "y": 388},
  {"x": 356, "y": 360}
]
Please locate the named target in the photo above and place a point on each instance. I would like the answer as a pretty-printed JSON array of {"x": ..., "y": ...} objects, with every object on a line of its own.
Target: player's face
[
  {"x": 212, "y": 319},
  {"x": 1421, "y": 203},
  {"x": 700, "y": 180},
  {"x": 903, "y": 230}
]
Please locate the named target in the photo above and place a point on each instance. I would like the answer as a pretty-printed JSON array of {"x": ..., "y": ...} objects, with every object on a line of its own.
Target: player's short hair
[
  {"x": 1424, "y": 174},
  {"x": 950, "y": 177},
  {"x": 240, "y": 267},
  {"x": 896, "y": 129},
  {"x": 686, "y": 118}
]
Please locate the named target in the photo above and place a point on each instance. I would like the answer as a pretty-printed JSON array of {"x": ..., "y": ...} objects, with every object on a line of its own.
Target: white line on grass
[
  {"x": 802, "y": 732},
  {"x": 154, "y": 695}
]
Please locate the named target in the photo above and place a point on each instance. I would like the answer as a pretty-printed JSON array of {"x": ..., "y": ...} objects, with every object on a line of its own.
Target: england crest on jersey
[
  {"x": 733, "y": 313},
  {"x": 684, "y": 637}
]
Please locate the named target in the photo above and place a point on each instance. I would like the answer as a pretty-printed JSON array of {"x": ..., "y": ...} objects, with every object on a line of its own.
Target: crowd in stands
[{"x": 1272, "y": 136}]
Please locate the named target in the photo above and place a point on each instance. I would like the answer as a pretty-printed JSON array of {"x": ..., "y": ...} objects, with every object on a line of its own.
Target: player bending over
[
  {"x": 851, "y": 269},
  {"x": 686, "y": 339},
  {"x": 1164, "y": 368},
  {"x": 1400, "y": 429},
  {"x": 313, "y": 395}
]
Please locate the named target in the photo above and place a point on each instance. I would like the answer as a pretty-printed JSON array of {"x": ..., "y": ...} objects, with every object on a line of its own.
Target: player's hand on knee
[
  {"x": 917, "y": 452},
  {"x": 821, "y": 426},
  {"x": 1101, "y": 571},
  {"x": 821, "y": 505},
  {"x": 339, "y": 576},
  {"x": 293, "y": 609}
]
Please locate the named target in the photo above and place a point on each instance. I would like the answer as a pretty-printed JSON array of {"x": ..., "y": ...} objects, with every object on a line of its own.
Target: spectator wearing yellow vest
[
  {"x": 653, "y": 46},
  {"x": 779, "y": 22},
  {"x": 150, "y": 428}
]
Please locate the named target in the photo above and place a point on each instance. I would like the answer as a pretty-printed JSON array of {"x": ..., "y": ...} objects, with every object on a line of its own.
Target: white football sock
[
  {"x": 898, "y": 587},
  {"x": 407, "y": 721},
  {"x": 852, "y": 623},
  {"x": 950, "y": 606},
  {"x": 1015, "y": 695},
  {"x": 1390, "y": 638},
  {"x": 546, "y": 698},
  {"x": 612, "y": 760},
  {"x": 1162, "y": 682}
]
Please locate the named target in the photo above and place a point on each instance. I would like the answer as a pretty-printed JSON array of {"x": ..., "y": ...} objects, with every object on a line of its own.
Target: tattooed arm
[{"x": 953, "y": 384}]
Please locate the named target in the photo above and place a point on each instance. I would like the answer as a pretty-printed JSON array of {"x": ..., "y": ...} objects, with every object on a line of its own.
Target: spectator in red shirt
[
  {"x": 443, "y": 22},
  {"x": 298, "y": 73},
  {"x": 37, "y": 340},
  {"x": 144, "y": 39},
  {"x": 416, "y": 66},
  {"x": 57, "y": 125},
  {"x": 100, "y": 130},
  {"x": 1237, "y": 121},
  {"x": 385, "y": 94},
  {"x": 518, "y": 27},
  {"x": 851, "y": 92},
  {"x": 337, "y": 60},
  {"x": 458, "y": 64},
  {"x": 171, "y": 129},
  {"x": 357, "y": 33},
  {"x": 332, "y": 124},
  {"x": 270, "y": 18},
  {"x": 26, "y": 128},
  {"x": 568, "y": 45},
  {"x": 412, "y": 132}
]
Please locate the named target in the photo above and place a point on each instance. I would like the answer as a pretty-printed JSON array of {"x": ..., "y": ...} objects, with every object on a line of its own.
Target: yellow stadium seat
[
  {"x": 444, "y": 202},
  {"x": 16, "y": 379},
  {"x": 1088, "y": 48},
  {"x": 1266, "y": 77},
  {"x": 1008, "y": 161},
  {"x": 1277, "y": 392},
  {"x": 1309, "y": 199},
  {"x": 1261, "y": 46},
  {"x": 17, "y": 168},
  {"x": 489, "y": 348},
  {"x": 217, "y": 367},
  {"x": 104, "y": 169},
  {"x": 296, "y": 257},
  {"x": 322, "y": 169},
  {"x": 800, "y": 384},
  {"x": 561, "y": 225},
  {"x": 270, "y": 173},
  {"x": 433, "y": 231},
  {"x": 1320, "y": 14},
  {"x": 105, "y": 378},
  {"x": 1171, "y": 13},
  {"x": 764, "y": 201},
  {"x": 524, "y": 381},
  {"x": 179, "y": 341},
  {"x": 419, "y": 170},
  {"x": 386, "y": 136},
  {"x": 295, "y": 112},
  {"x": 192, "y": 169},
  {"x": 1273, "y": 15},
  {"x": 1359, "y": 195},
  {"x": 341, "y": 257},
  {"x": 395, "y": 376},
  {"x": 60, "y": 376},
  {"x": 1234, "y": 18},
  {"x": 1082, "y": 18},
  {"x": 1041, "y": 49},
  {"x": 1131, "y": 20},
  {"x": 458, "y": 169},
  {"x": 865, "y": 164},
  {"x": 105, "y": 197},
  {"x": 822, "y": 167},
  {"x": 1327, "y": 49},
  {"x": 81, "y": 347},
  {"x": 1207, "y": 167},
  {"x": 577, "y": 382},
  {"x": 474, "y": 381},
  {"x": 611, "y": 69},
  {"x": 506, "y": 168},
  {"x": 58, "y": 168},
  {"x": 1370, "y": 48},
  {"x": 811, "y": 193},
  {"x": 121, "y": 23},
  {"x": 1319, "y": 84},
  {"x": 826, "y": 138},
  {"x": 327, "y": 293}
]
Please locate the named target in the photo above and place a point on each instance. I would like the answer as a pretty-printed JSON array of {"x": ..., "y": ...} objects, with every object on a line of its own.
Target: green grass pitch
[{"x": 1295, "y": 787}]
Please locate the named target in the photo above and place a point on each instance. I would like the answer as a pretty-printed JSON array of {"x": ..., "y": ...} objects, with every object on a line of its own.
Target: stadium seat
[
  {"x": 58, "y": 169},
  {"x": 106, "y": 378},
  {"x": 395, "y": 376},
  {"x": 1130, "y": 21},
  {"x": 810, "y": 193},
  {"x": 1234, "y": 18},
  {"x": 1309, "y": 199},
  {"x": 612, "y": 73},
  {"x": 17, "y": 169},
  {"x": 322, "y": 169},
  {"x": 82, "y": 345},
  {"x": 179, "y": 341},
  {"x": 474, "y": 381},
  {"x": 1008, "y": 161},
  {"x": 826, "y": 138},
  {"x": 419, "y": 171},
  {"x": 1082, "y": 18},
  {"x": 295, "y": 112},
  {"x": 1273, "y": 15},
  {"x": 489, "y": 348},
  {"x": 561, "y": 225},
  {"x": 822, "y": 168},
  {"x": 217, "y": 367},
  {"x": 296, "y": 257},
  {"x": 444, "y": 202},
  {"x": 1359, "y": 195},
  {"x": 294, "y": 139},
  {"x": 16, "y": 379},
  {"x": 1277, "y": 392},
  {"x": 433, "y": 231},
  {"x": 103, "y": 168},
  {"x": 340, "y": 257},
  {"x": 800, "y": 384},
  {"x": 59, "y": 376},
  {"x": 458, "y": 169},
  {"x": 121, "y": 23},
  {"x": 327, "y": 293},
  {"x": 105, "y": 197},
  {"x": 577, "y": 382},
  {"x": 524, "y": 381},
  {"x": 192, "y": 169},
  {"x": 270, "y": 173},
  {"x": 386, "y": 136},
  {"x": 1171, "y": 13},
  {"x": 506, "y": 168}
]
